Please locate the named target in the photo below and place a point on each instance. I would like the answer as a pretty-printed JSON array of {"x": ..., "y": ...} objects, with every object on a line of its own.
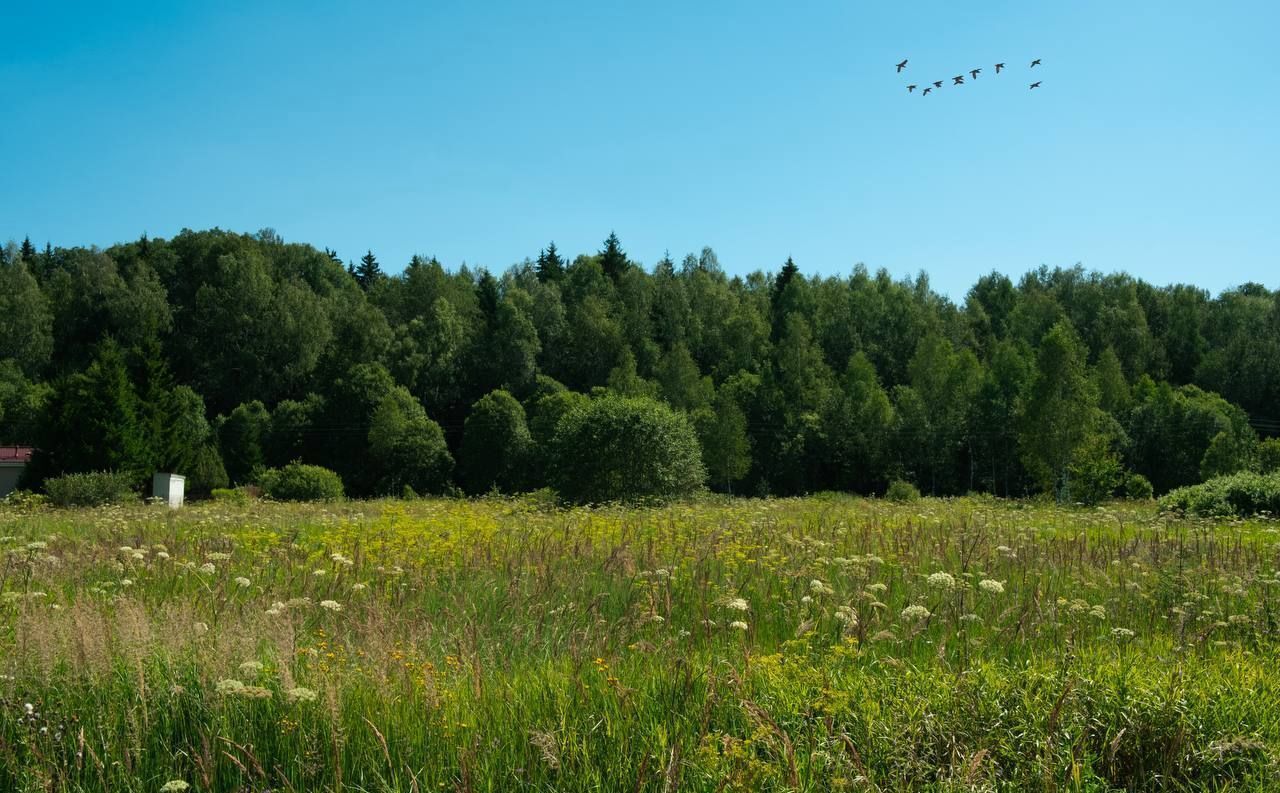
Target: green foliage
[
  {"x": 226, "y": 495},
  {"x": 91, "y": 422},
  {"x": 1269, "y": 456},
  {"x": 26, "y": 324},
  {"x": 299, "y": 482},
  {"x": 1095, "y": 472},
  {"x": 496, "y": 445},
  {"x": 1228, "y": 452},
  {"x": 409, "y": 448},
  {"x": 722, "y": 432},
  {"x": 624, "y": 449},
  {"x": 1241, "y": 494},
  {"x": 240, "y": 438},
  {"x": 1171, "y": 431},
  {"x": 901, "y": 491},
  {"x": 1138, "y": 488},
  {"x": 1060, "y": 412},
  {"x": 91, "y": 489}
]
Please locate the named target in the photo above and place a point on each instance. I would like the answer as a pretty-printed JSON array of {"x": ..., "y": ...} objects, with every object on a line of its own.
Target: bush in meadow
[
  {"x": 299, "y": 482},
  {"x": 92, "y": 489},
  {"x": 1241, "y": 494},
  {"x": 625, "y": 449}
]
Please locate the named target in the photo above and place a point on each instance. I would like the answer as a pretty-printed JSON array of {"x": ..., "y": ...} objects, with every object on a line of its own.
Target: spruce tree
[
  {"x": 28, "y": 251},
  {"x": 550, "y": 266},
  {"x": 612, "y": 259},
  {"x": 368, "y": 272}
]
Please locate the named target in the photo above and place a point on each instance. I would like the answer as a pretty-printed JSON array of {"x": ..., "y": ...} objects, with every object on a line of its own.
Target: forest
[{"x": 222, "y": 355}]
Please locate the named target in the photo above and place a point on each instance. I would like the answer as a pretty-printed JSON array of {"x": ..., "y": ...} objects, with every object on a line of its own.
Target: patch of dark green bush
[
  {"x": 902, "y": 491},
  {"x": 300, "y": 482},
  {"x": 617, "y": 448},
  {"x": 91, "y": 489},
  {"x": 1236, "y": 495}
]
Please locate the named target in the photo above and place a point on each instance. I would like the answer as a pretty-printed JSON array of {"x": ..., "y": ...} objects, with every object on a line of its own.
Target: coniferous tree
[
  {"x": 550, "y": 266},
  {"x": 28, "y": 251},
  {"x": 612, "y": 259},
  {"x": 368, "y": 272}
]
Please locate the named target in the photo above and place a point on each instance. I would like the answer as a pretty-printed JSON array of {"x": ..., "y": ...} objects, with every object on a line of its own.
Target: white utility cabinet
[{"x": 169, "y": 488}]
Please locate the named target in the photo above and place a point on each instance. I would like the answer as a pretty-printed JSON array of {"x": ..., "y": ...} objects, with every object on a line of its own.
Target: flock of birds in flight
[{"x": 959, "y": 78}]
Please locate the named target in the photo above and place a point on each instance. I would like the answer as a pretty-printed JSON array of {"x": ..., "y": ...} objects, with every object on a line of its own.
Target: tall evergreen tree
[
  {"x": 27, "y": 251},
  {"x": 368, "y": 272},
  {"x": 550, "y": 266},
  {"x": 612, "y": 259}
]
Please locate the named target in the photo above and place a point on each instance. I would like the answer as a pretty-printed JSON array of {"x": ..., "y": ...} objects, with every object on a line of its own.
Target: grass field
[{"x": 817, "y": 644}]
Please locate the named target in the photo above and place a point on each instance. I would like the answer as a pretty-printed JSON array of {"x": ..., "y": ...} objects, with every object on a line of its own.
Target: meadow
[{"x": 820, "y": 644}]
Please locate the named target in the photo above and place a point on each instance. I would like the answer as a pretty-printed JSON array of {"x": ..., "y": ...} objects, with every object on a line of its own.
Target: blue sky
[{"x": 479, "y": 131}]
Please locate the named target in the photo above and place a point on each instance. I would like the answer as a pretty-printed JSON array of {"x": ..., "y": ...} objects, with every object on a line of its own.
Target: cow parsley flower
[
  {"x": 942, "y": 581},
  {"x": 915, "y": 612},
  {"x": 241, "y": 581},
  {"x": 738, "y": 625},
  {"x": 300, "y": 695},
  {"x": 738, "y": 604},
  {"x": 331, "y": 605},
  {"x": 991, "y": 585},
  {"x": 174, "y": 786}
]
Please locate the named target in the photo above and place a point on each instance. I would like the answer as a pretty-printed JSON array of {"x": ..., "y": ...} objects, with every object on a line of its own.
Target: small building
[
  {"x": 168, "y": 488},
  {"x": 13, "y": 459}
]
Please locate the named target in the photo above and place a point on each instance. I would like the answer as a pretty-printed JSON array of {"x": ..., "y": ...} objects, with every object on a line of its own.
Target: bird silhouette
[
  {"x": 926, "y": 91},
  {"x": 975, "y": 72},
  {"x": 1035, "y": 85},
  {"x": 1035, "y": 63},
  {"x": 999, "y": 66},
  {"x": 902, "y": 65},
  {"x": 959, "y": 79},
  {"x": 910, "y": 88},
  {"x": 937, "y": 84}
]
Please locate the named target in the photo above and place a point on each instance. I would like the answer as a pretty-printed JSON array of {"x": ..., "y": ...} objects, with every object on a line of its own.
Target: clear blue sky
[{"x": 479, "y": 131}]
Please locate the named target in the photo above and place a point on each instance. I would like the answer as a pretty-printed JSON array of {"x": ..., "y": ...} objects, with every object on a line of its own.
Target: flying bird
[
  {"x": 999, "y": 66},
  {"x": 910, "y": 88},
  {"x": 974, "y": 73},
  {"x": 926, "y": 91},
  {"x": 1035, "y": 85},
  {"x": 938, "y": 84},
  {"x": 959, "y": 79},
  {"x": 1035, "y": 63},
  {"x": 902, "y": 65}
]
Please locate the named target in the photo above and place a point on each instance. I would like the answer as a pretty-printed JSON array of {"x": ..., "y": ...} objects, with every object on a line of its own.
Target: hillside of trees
[{"x": 217, "y": 354}]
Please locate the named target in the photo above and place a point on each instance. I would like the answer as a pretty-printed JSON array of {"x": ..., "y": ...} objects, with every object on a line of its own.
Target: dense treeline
[{"x": 219, "y": 354}]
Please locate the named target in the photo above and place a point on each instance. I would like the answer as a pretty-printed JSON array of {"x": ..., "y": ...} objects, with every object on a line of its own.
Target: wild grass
[{"x": 817, "y": 644}]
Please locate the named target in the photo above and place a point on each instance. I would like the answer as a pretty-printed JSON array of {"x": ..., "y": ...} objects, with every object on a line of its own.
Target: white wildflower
[
  {"x": 229, "y": 686},
  {"x": 738, "y": 604},
  {"x": 738, "y": 625},
  {"x": 208, "y": 568},
  {"x": 174, "y": 786},
  {"x": 942, "y": 581},
  {"x": 877, "y": 587},
  {"x": 250, "y": 668},
  {"x": 819, "y": 588},
  {"x": 331, "y": 605},
  {"x": 991, "y": 585},
  {"x": 915, "y": 612},
  {"x": 1122, "y": 633},
  {"x": 242, "y": 582},
  {"x": 300, "y": 695},
  {"x": 359, "y": 587}
]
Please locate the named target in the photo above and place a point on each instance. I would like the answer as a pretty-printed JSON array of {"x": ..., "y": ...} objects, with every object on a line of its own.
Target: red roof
[{"x": 15, "y": 454}]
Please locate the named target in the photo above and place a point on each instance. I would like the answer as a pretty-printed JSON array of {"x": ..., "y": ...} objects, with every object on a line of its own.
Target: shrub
[
  {"x": 26, "y": 501},
  {"x": 625, "y": 449},
  {"x": 227, "y": 495},
  {"x": 1240, "y": 494},
  {"x": 1269, "y": 456},
  {"x": 495, "y": 444},
  {"x": 299, "y": 482},
  {"x": 408, "y": 448},
  {"x": 902, "y": 491},
  {"x": 93, "y": 489},
  {"x": 1137, "y": 487}
]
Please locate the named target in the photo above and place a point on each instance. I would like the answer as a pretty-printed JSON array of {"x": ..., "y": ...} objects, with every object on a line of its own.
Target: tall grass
[{"x": 816, "y": 644}]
